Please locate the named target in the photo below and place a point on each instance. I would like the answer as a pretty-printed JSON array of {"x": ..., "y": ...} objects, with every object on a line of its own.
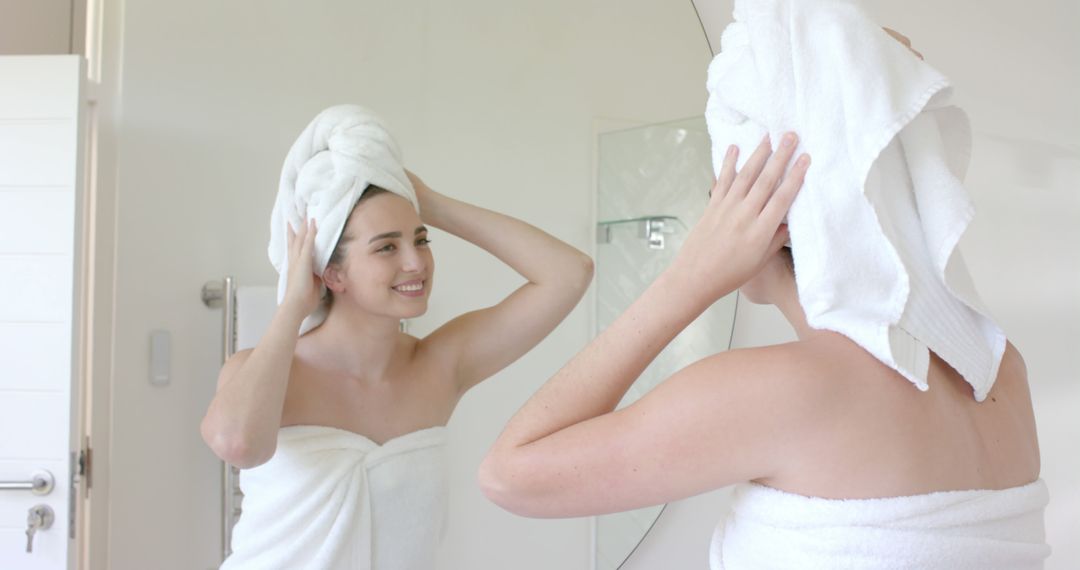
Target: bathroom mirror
[
  {"x": 527, "y": 108},
  {"x": 644, "y": 212}
]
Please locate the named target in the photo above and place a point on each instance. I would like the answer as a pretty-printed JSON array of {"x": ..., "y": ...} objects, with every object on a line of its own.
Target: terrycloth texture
[
  {"x": 344, "y": 150},
  {"x": 875, "y": 227},
  {"x": 955, "y": 530},
  {"x": 332, "y": 499}
]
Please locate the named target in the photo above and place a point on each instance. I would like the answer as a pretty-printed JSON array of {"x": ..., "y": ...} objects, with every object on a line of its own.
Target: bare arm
[
  {"x": 725, "y": 419},
  {"x": 485, "y": 341},
  {"x": 242, "y": 422},
  {"x": 566, "y": 442}
]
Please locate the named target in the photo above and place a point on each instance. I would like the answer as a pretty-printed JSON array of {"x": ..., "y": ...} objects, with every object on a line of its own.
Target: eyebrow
[{"x": 419, "y": 230}]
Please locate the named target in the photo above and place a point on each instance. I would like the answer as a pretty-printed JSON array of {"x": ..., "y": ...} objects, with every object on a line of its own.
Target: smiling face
[{"x": 383, "y": 264}]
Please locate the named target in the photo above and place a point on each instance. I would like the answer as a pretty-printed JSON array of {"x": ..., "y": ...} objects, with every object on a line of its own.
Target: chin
[
  {"x": 409, "y": 308},
  {"x": 397, "y": 308},
  {"x": 415, "y": 312}
]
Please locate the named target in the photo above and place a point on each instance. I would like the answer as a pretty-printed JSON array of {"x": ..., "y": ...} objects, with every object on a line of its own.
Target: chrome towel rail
[{"x": 223, "y": 294}]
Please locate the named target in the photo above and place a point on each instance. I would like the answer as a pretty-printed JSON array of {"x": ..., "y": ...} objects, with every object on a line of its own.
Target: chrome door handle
[{"x": 41, "y": 483}]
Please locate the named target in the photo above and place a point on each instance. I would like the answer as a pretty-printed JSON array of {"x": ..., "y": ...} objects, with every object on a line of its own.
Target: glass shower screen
[{"x": 652, "y": 183}]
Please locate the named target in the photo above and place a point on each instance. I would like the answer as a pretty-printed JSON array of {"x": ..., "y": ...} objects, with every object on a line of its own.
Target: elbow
[
  {"x": 239, "y": 452},
  {"x": 584, "y": 270},
  {"x": 502, "y": 486},
  {"x": 588, "y": 268},
  {"x": 235, "y": 449},
  {"x": 494, "y": 484}
]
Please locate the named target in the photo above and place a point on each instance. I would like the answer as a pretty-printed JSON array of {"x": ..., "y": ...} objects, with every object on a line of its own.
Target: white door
[{"x": 40, "y": 188}]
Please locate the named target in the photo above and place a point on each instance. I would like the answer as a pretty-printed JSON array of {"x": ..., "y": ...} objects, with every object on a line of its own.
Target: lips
[{"x": 414, "y": 288}]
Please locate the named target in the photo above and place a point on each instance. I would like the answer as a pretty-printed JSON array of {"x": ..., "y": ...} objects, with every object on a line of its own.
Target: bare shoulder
[
  {"x": 800, "y": 366},
  {"x": 1011, "y": 387},
  {"x": 749, "y": 410},
  {"x": 431, "y": 358},
  {"x": 436, "y": 348},
  {"x": 798, "y": 378},
  {"x": 1013, "y": 366},
  {"x": 776, "y": 362}
]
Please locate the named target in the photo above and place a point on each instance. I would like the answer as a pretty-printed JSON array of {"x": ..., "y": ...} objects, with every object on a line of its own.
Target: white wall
[
  {"x": 35, "y": 27},
  {"x": 494, "y": 102},
  {"x": 1017, "y": 73}
]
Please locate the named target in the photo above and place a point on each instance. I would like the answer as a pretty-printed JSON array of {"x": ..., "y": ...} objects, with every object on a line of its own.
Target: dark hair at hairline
[
  {"x": 338, "y": 255},
  {"x": 789, "y": 258}
]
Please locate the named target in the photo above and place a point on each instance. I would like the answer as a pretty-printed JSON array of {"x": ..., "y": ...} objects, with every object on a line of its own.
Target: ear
[{"x": 334, "y": 279}]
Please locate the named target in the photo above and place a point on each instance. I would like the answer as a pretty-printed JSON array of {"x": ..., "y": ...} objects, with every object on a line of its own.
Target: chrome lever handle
[{"x": 41, "y": 483}]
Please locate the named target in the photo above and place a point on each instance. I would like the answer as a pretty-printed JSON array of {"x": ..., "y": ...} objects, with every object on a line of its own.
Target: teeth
[{"x": 410, "y": 287}]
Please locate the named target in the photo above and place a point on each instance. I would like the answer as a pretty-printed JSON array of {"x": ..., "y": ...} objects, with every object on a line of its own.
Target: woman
[
  {"x": 809, "y": 422},
  {"x": 339, "y": 431}
]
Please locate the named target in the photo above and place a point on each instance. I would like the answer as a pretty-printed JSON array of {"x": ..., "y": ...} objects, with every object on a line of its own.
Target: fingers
[
  {"x": 780, "y": 238},
  {"x": 780, "y": 201},
  {"x": 745, "y": 178},
  {"x": 301, "y": 243},
  {"x": 727, "y": 174},
  {"x": 903, "y": 40},
  {"x": 763, "y": 187},
  {"x": 299, "y": 237},
  {"x": 898, "y": 36},
  {"x": 767, "y": 199},
  {"x": 309, "y": 240}
]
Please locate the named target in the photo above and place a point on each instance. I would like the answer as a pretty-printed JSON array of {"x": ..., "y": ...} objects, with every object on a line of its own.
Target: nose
[{"x": 413, "y": 261}]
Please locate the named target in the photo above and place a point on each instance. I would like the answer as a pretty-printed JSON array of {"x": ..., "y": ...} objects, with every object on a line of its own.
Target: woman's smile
[{"x": 413, "y": 288}]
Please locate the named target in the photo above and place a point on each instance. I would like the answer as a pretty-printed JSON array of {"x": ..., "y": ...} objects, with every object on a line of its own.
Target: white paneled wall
[
  {"x": 40, "y": 364},
  {"x": 39, "y": 185}
]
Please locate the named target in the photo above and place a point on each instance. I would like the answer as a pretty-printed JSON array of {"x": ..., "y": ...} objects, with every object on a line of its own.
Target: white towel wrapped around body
[
  {"x": 344, "y": 149},
  {"x": 331, "y": 499},
  {"x": 875, "y": 227},
  {"x": 769, "y": 529}
]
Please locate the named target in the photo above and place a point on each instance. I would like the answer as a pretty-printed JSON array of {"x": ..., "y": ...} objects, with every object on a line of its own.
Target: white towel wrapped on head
[
  {"x": 875, "y": 227},
  {"x": 342, "y": 151}
]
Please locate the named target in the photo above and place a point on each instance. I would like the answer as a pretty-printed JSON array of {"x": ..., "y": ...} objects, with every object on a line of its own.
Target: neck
[
  {"x": 787, "y": 300},
  {"x": 356, "y": 342}
]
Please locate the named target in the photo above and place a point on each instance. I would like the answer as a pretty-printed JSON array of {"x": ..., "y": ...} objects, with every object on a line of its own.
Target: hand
[
  {"x": 741, "y": 227},
  {"x": 418, "y": 185},
  {"x": 423, "y": 195},
  {"x": 904, "y": 40},
  {"x": 303, "y": 290}
]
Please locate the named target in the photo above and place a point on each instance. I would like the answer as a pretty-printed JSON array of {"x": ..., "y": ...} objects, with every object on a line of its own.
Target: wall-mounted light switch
[{"x": 160, "y": 357}]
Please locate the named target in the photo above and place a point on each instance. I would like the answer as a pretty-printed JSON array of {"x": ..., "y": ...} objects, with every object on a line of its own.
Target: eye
[
  {"x": 386, "y": 248},
  {"x": 423, "y": 241}
]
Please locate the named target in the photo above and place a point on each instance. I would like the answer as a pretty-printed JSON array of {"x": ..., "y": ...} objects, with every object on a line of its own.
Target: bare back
[{"x": 879, "y": 436}]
